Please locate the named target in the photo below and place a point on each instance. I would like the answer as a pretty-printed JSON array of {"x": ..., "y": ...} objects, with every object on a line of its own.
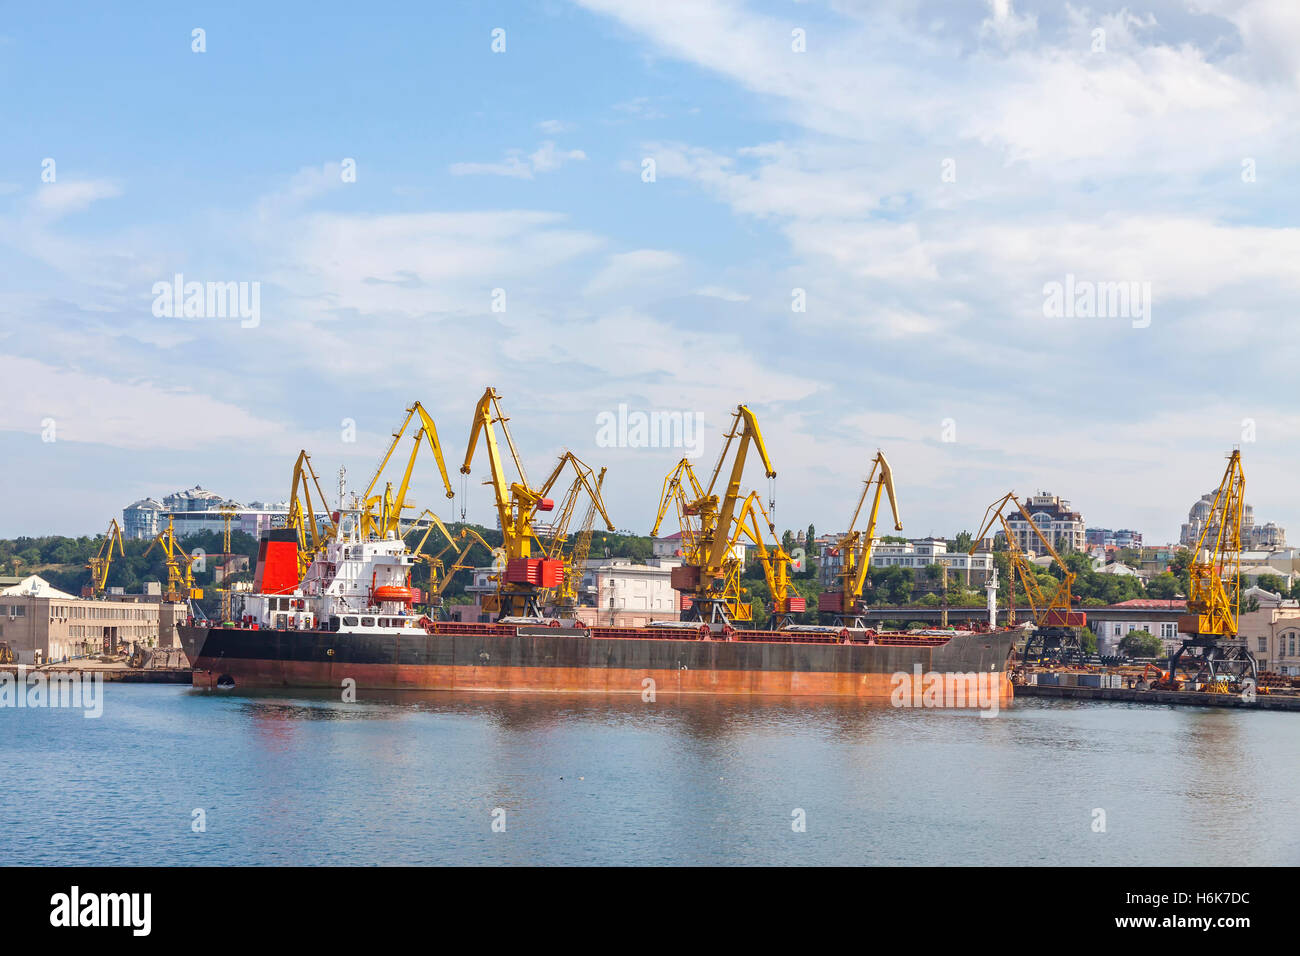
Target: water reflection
[{"x": 696, "y": 716}]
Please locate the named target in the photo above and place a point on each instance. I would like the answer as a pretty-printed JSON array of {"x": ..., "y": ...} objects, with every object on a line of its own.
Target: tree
[
  {"x": 1141, "y": 644},
  {"x": 810, "y": 550},
  {"x": 962, "y": 542},
  {"x": 1163, "y": 586},
  {"x": 1272, "y": 582}
]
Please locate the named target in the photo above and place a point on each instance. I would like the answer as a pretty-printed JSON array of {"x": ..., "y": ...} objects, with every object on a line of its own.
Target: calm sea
[{"x": 421, "y": 779}]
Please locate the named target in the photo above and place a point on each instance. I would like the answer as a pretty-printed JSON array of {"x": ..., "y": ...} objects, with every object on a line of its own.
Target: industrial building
[{"x": 40, "y": 623}]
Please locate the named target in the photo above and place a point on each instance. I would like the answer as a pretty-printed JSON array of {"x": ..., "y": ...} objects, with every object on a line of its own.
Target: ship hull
[{"x": 562, "y": 661}]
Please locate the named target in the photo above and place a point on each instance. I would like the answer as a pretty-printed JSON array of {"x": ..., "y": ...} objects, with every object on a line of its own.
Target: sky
[{"x": 849, "y": 216}]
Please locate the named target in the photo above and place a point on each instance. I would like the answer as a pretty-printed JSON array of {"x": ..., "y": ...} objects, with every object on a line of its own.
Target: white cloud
[
  {"x": 625, "y": 272},
  {"x": 545, "y": 159},
  {"x": 87, "y": 407},
  {"x": 55, "y": 200}
]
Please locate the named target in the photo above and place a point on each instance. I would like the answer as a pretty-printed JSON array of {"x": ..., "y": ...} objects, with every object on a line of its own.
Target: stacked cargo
[{"x": 539, "y": 572}]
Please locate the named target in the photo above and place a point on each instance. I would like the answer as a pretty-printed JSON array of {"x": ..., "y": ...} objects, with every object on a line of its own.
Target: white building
[
  {"x": 625, "y": 594},
  {"x": 1157, "y": 617},
  {"x": 670, "y": 546},
  {"x": 963, "y": 568},
  {"x": 1266, "y": 537},
  {"x": 197, "y": 509},
  {"x": 1059, "y": 523}
]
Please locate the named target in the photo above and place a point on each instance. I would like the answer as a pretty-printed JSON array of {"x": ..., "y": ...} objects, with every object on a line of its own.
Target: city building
[
  {"x": 143, "y": 519},
  {"x": 40, "y": 623},
  {"x": 1104, "y": 537},
  {"x": 1272, "y": 633},
  {"x": 670, "y": 546},
  {"x": 1113, "y": 622},
  {"x": 197, "y": 509},
  {"x": 1265, "y": 537},
  {"x": 1059, "y": 523},
  {"x": 1283, "y": 563},
  {"x": 615, "y": 592},
  {"x": 963, "y": 568}
]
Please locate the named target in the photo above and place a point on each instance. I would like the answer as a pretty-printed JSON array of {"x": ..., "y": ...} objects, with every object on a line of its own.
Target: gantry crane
[
  {"x": 1212, "y": 650},
  {"x": 517, "y": 502},
  {"x": 710, "y": 572},
  {"x": 1056, "y": 624},
  {"x": 845, "y": 606},
  {"x": 381, "y": 514},
  {"x": 180, "y": 566},
  {"x": 102, "y": 561}
]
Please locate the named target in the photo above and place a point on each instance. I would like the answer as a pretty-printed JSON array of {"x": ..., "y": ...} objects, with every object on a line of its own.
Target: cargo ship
[{"x": 352, "y": 617}]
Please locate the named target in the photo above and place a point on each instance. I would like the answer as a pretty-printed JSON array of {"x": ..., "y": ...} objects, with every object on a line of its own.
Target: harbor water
[{"x": 173, "y": 776}]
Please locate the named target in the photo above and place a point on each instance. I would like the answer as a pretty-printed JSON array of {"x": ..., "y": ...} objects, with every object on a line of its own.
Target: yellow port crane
[
  {"x": 710, "y": 571},
  {"x": 382, "y": 513},
  {"x": 564, "y": 597},
  {"x": 1056, "y": 624},
  {"x": 303, "y": 517},
  {"x": 101, "y": 562},
  {"x": 1212, "y": 650},
  {"x": 517, "y": 502},
  {"x": 844, "y": 606},
  {"x": 441, "y": 574},
  {"x": 773, "y": 559},
  {"x": 180, "y": 566}
]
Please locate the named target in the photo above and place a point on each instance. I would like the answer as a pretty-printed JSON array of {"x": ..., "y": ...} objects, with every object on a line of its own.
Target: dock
[
  {"x": 1178, "y": 697},
  {"x": 118, "y": 673}
]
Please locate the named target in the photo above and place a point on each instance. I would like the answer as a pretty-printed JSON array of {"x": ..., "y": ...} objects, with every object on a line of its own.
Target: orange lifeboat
[{"x": 391, "y": 592}]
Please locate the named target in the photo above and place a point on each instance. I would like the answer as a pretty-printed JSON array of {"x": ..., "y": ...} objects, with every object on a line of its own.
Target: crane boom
[
  {"x": 861, "y": 545},
  {"x": 302, "y": 512},
  {"x": 1215, "y": 573},
  {"x": 391, "y": 505},
  {"x": 1056, "y": 623},
  {"x": 1213, "y": 652},
  {"x": 744, "y": 427},
  {"x": 710, "y": 572},
  {"x": 774, "y": 561},
  {"x": 517, "y": 503},
  {"x": 101, "y": 562}
]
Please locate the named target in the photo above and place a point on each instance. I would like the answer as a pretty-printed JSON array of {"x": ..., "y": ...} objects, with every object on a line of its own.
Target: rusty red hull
[{"x": 627, "y": 661}]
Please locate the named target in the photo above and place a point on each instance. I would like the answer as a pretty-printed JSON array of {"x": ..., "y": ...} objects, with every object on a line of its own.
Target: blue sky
[{"x": 776, "y": 169}]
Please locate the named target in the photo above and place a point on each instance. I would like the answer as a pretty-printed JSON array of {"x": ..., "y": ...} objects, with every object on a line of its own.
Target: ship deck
[{"x": 693, "y": 631}]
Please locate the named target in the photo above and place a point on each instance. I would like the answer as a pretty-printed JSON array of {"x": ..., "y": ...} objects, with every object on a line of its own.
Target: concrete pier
[{"x": 1179, "y": 697}]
